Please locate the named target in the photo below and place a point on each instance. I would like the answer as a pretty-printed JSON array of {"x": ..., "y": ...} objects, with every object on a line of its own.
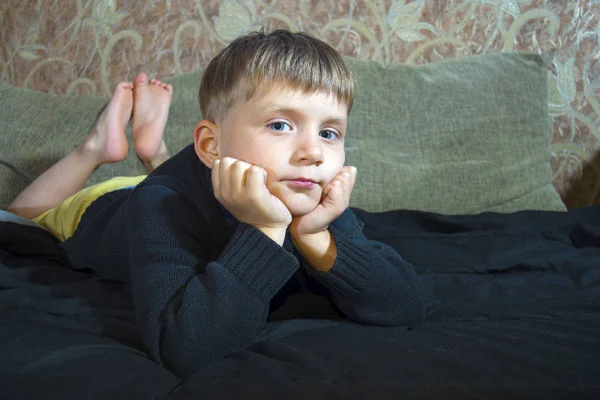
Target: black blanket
[{"x": 513, "y": 311}]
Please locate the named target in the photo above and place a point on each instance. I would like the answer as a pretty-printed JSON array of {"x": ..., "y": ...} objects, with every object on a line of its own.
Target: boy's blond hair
[{"x": 257, "y": 62}]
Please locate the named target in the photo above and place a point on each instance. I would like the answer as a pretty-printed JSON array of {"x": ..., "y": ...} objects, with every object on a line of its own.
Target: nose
[{"x": 308, "y": 149}]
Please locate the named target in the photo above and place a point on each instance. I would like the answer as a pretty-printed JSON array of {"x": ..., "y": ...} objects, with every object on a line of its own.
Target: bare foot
[
  {"x": 106, "y": 142},
  {"x": 152, "y": 100}
]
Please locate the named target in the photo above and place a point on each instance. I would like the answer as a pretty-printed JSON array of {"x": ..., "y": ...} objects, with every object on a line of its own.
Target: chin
[{"x": 299, "y": 208}]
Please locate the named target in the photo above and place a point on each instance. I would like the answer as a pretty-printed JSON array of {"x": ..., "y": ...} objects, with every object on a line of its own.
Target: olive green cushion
[{"x": 459, "y": 136}]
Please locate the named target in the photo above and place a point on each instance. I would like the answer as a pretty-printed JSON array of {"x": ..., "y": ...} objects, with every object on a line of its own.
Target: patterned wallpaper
[{"x": 87, "y": 46}]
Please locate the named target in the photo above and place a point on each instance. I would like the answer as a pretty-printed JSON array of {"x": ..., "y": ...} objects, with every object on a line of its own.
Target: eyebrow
[
  {"x": 278, "y": 108},
  {"x": 287, "y": 110}
]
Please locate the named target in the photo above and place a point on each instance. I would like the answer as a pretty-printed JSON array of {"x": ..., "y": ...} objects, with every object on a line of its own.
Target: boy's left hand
[{"x": 334, "y": 201}]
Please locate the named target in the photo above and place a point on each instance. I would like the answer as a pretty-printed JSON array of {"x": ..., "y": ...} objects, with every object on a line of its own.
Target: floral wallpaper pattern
[{"x": 87, "y": 46}]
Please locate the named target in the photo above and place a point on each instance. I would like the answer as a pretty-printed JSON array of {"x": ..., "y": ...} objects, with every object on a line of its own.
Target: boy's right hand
[{"x": 240, "y": 187}]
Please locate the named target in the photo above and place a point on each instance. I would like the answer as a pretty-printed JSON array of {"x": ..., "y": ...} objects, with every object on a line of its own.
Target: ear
[{"x": 206, "y": 135}]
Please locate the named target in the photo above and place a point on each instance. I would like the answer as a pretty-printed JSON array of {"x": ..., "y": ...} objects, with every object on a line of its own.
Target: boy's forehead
[{"x": 280, "y": 98}]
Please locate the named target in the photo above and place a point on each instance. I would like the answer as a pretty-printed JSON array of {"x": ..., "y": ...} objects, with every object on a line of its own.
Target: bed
[
  {"x": 513, "y": 311},
  {"x": 477, "y": 163}
]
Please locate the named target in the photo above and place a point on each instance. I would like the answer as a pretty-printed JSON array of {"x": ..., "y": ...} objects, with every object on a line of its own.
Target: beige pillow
[{"x": 460, "y": 136}]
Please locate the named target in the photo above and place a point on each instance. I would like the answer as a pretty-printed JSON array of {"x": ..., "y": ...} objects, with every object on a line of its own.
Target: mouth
[{"x": 301, "y": 182}]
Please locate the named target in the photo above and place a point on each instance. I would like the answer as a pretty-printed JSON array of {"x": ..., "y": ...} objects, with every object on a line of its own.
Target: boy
[{"x": 233, "y": 230}]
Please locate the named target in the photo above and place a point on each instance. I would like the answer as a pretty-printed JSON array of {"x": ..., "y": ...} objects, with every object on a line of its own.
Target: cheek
[
  {"x": 245, "y": 150},
  {"x": 247, "y": 145},
  {"x": 336, "y": 165}
]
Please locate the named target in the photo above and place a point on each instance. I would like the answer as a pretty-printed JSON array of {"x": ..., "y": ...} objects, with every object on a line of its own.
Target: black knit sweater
[{"x": 204, "y": 285}]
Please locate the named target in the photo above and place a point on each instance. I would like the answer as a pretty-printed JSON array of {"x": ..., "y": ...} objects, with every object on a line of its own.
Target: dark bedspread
[{"x": 513, "y": 311}]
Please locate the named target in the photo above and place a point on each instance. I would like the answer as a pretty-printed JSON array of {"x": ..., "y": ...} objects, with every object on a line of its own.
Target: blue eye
[
  {"x": 280, "y": 126},
  {"x": 333, "y": 135}
]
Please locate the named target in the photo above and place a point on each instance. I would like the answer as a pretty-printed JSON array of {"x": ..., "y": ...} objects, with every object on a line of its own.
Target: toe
[
  {"x": 141, "y": 79},
  {"x": 169, "y": 88}
]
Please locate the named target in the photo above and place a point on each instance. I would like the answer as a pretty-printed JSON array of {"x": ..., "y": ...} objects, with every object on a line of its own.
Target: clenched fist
[
  {"x": 335, "y": 199},
  {"x": 241, "y": 188}
]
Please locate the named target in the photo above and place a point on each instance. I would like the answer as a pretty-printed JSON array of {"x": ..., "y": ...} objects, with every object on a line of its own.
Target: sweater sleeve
[
  {"x": 369, "y": 282},
  {"x": 191, "y": 311}
]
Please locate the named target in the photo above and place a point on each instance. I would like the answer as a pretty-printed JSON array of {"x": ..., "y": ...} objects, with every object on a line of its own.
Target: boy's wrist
[
  {"x": 277, "y": 234},
  {"x": 307, "y": 237},
  {"x": 319, "y": 249}
]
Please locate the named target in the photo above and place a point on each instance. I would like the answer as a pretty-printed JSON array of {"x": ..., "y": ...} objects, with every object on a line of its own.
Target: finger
[
  {"x": 353, "y": 173},
  {"x": 214, "y": 176},
  {"x": 334, "y": 189},
  {"x": 341, "y": 175},
  {"x": 255, "y": 181},
  {"x": 343, "y": 171},
  {"x": 328, "y": 188},
  {"x": 349, "y": 170},
  {"x": 336, "y": 193},
  {"x": 341, "y": 179},
  {"x": 347, "y": 187},
  {"x": 225, "y": 177},
  {"x": 237, "y": 179},
  {"x": 349, "y": 178},
  {"x": 263, "y": 174},
  {"x": 239, "y": 173}
]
